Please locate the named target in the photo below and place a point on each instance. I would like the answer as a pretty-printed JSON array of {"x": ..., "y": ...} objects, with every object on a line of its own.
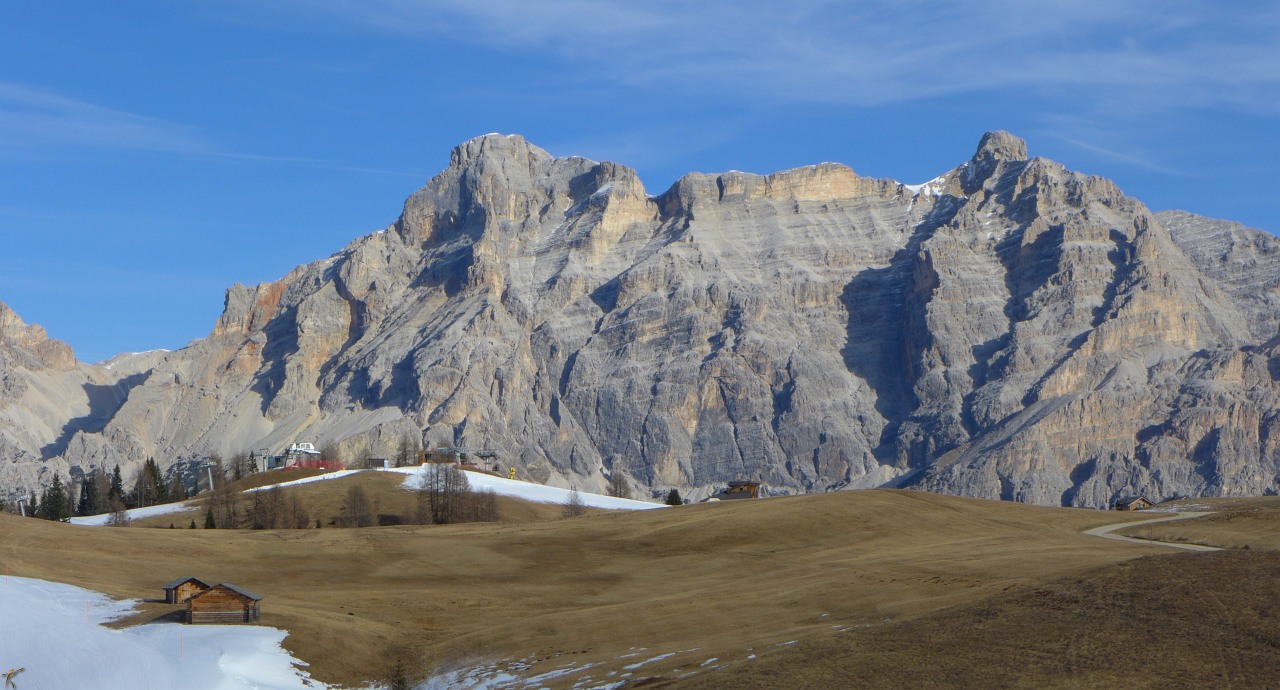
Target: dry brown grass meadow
[
  {"x": 1237, "y": 523},
  {"x": 807, "y": 585}
]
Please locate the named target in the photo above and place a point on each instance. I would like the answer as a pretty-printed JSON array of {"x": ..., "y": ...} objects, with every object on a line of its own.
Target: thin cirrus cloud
[
  {"x": 39, "y": 118},
  {"x": 1168, "y": 53}
]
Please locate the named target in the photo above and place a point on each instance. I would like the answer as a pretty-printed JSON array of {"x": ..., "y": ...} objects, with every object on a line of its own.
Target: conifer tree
[
  {"x": 177, "y": 490},
  {"x": 673, "y": 498},
  {"x": 117, "y": 485},
  {"x": 208, "y": 520},
  {"x": 90, "y": 503},
  {"x": 160, "y": 490},
  {"x": 53, "y": 505}
]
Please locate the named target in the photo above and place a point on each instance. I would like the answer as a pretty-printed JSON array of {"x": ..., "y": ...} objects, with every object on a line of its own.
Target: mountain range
[{"x": 1010, "y": 329}]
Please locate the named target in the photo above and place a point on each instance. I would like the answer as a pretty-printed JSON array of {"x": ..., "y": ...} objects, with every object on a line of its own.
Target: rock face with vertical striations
[
  {"x": 1010, "y": 329},
  {"x": 46, "y": 397}
]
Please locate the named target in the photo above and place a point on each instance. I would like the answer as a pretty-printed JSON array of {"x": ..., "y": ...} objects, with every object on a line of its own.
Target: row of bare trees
[{"x": 445, "y": 496}]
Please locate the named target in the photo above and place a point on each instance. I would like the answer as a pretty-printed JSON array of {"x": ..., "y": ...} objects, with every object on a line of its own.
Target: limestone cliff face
[
  {"x": 46, "y": 396},
  {"x": 1009, "y": 329}
]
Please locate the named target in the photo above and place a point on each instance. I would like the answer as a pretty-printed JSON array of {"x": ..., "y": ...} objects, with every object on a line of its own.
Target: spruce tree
[
  {"x": 88, "y": 504},
  {"x": 56, "y": 503},
  {"x": 177, "y": 490},
  {"x": 160, "y": 489},
  {"x": 673, "y": 498},
  {"x": 208, "y": 520},
  {"x": 117, "y": 485}
]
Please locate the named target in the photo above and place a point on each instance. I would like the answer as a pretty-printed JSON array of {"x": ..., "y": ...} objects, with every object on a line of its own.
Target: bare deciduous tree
[
  {"x": 618, "y": 486},
  {"x": 406, "y": 452},
  {"x": 119, "y": 513},
  {"x": 446, "y": 491},
  {"x": 573, "y": 506},
  {"x": 357, "y": 511}
]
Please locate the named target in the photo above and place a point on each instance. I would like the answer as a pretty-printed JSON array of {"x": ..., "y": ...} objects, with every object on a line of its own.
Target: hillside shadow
[
  {"x": 883, "y": 304},
  {"x": 282, "y": 342},
  {"x": 104, "y": 402}
]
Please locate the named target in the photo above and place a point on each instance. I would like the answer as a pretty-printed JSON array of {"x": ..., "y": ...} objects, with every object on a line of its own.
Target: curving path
[{"x": 1106, "y": 532}]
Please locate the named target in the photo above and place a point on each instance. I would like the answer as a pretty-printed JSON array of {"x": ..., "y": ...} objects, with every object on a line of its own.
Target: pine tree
[
  {"x": 208, "y": 520},
  {"x": 156, "y": 479},
  {"x": 177, "y": 490},
  {"x": 117, "y": 485},
  {"x": 673, "y": 498},
  {"x": 53, "y": 506},
  {"x": 89, "y": 501}
]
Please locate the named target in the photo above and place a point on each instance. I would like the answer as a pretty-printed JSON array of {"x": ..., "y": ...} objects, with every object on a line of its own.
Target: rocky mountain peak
[
  {"x": 510, "y": 146},
  {"x": 34, "y": 344},
  {"x": 1010, "y": 329},
  {"x": 1000, "y": 145},
  {"x": 995, "y": 148}
]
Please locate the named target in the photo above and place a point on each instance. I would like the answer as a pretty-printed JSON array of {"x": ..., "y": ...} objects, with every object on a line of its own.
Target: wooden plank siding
[
  {"x": 179, "y": 591},
  {"x": 223, "y": 603},
  {"x": 186, "y": 590}
]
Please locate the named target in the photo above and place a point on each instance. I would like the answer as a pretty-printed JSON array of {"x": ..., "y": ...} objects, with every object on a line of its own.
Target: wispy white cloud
[
  {"x": 1168, "y": 52},
  {"x": 39, "y": 119},
  {"x": 34, "y": 117}
]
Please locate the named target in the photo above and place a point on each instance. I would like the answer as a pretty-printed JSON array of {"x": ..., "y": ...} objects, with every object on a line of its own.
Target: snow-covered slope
[
  {"x": 537, "y": 493},
  {"x": 479, "y": 482},
  {"x": 62, "y": 644}
]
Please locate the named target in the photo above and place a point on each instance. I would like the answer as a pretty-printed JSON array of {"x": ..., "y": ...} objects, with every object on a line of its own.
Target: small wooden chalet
[
  {"x": 739, "y": 489},
  {"x": 1133, "y": 503},
  {"x": 179, "y": 591},
  {"x": 223, "y": 603}
]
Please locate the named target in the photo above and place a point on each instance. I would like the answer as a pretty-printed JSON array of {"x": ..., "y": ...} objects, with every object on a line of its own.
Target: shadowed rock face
[
  {"x": 46, "y": 398},
  {"x": 1010, "y": 329}
]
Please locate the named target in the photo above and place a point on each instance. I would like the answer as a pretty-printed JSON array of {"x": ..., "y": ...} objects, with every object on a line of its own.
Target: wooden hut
[
  {"x": 739, "y": 489},
  {"x": 179, "y": 591},
  {"x": 1133, "y": 503},
  {"x": 223, "y": 603}
]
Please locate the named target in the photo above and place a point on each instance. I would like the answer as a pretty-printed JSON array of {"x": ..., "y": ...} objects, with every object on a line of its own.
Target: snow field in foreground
[{"x": 55, "y": 634}]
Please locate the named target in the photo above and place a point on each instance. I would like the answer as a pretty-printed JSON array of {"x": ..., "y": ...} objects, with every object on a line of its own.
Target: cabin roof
[
  {"x": 1126, "y": 500},
  {"x": 242, "y": 592},
  {"x": 176, "y": 583}
]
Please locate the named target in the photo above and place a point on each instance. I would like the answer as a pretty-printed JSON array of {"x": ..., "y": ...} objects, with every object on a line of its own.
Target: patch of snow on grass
[
  {"x": 307, "y": 480},
  {"x": 63, "y": 645},
  {"x": 134, "y": 514},
  {"x": 660, "y": 657},
  {"x": 529, "y": 491}
]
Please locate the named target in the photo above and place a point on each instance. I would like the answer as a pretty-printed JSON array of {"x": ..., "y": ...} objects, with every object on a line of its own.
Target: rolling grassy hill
[{"x": 640, "y": 597}]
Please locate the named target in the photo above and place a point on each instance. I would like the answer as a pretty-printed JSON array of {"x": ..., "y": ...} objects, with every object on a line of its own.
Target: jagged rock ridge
[{"x": 1009, "y": 329}]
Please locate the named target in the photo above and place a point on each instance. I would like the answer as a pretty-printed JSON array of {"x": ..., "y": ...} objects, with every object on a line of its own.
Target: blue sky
[{"x": 154, "y": 153}]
